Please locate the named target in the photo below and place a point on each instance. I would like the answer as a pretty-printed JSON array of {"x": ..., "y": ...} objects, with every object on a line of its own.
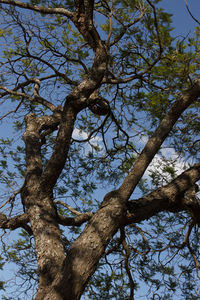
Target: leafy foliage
[{"x": 147, "y": 69}]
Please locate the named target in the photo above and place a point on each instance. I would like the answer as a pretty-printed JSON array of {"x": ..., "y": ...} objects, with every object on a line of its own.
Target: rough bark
[
  {"x": 40, "y": 208},
  {"x": 84, "y": 255},
  {"x": 37, "y": 194},
  {"x": 160, "y": 134},
  {"x": 64, "y": 277},
  {"x": 168, "y": 198}
]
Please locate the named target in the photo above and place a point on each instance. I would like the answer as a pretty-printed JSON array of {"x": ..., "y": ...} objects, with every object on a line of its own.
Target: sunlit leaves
[{"x": 147, "y": 68}]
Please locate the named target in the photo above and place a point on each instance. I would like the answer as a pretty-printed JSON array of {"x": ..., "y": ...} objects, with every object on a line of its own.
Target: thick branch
[
  {"x": 89, "y": 247},
  {"x": 83, "y": 20},
  {"x": 57, "y": 160},
  {"x": 75, "y": 102},
  {"x": 15, "y": 222},
  {"x": 86, "y": 251},
  {"x": 98, "y": 105},
  {"x": 168, "y": 198},
  {"x": 31, "y": 139},
  {"x": 154, "y": 143},
  {"x": 89, "y": 10}
]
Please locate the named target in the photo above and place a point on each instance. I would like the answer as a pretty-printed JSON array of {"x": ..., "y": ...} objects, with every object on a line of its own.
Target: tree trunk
[
  {"x": 48, "y": 242},
  {"x": 85, "y": 253}
]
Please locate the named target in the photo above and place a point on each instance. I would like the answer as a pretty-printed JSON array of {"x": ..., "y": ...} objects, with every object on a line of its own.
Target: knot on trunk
[{"x": 98, "y": 105}]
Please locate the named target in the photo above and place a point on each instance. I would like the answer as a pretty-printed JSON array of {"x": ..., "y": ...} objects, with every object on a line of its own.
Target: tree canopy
[{"x": 99, "y": 146}]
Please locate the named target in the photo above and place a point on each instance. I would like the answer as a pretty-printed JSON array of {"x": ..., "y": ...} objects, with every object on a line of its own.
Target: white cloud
[
  {"x": 79, "y": 134},
  {"x": 83, "y": 135},
  {"x": 167, "y": 158}
]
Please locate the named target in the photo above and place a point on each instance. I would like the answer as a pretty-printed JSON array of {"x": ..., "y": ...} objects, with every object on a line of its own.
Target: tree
[{"x": 85, "y": 83}]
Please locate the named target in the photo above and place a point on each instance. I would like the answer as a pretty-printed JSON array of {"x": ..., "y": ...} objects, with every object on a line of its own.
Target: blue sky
[{"x": 183, "y": 24}]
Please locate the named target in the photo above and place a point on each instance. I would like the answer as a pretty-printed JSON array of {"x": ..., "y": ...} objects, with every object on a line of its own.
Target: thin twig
[
  {"x": 191, "y": 13},
  {"x": 126, "y": 264},
  {"x": 74, "y": 211},
  {"x": 12, "y": 111}
]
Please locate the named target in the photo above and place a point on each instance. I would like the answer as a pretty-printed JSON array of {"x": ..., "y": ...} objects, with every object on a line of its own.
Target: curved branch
[
  {"x": 75, "y": 102},
  {"x": 59, "y": 74},
  {"x": 191, "y": 13},
  {"x": 74, "y": 211},
  {"x": 40, "y": 9},
  {"x": 126, "y": 264},
  {"x": 98, "y": 105},
  {"x": 156, "y": 26},
  {"x": 36, "y": 98},
  {"x": 90, "y": 135}
]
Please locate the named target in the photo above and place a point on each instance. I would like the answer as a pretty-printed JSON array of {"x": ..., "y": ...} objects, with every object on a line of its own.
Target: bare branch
[
  {"x": 12, "y": 111},
  {"x": 57, "y": 73},
  {"x": 186, "y": 240},
  {"x": 74, "y": 211},
  {"x": 40, "y": 9},
  {"x": 187, "y": 244},
  {"x": 12, "y": 197},
  {"x": 90, "y": 135},
  {"x": 15, "y": 222},
  {"x": 36, "y": 98},
  {"x": 191, "y": 13},
  {"x": 110, "y": 29},
  {"x": 156, "y": 26}
]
